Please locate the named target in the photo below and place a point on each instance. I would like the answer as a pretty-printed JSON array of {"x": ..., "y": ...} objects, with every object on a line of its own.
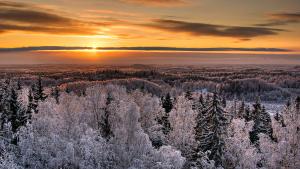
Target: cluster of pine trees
[
  {"x": 12, "y": 114},
  {"x": 212, "y": 122}
]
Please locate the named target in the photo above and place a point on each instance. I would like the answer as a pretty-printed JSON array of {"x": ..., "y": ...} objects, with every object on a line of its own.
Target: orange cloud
[
  {"x": 30, "y": 18},
  {"x": 164, "y": 3},
  {"x": 205, "y": 29}
]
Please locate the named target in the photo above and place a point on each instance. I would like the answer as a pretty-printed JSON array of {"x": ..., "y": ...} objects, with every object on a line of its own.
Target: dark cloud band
[
  {"x": 204, "y": 29},
  {"x": 30, "y": 18},
  {"x": 279, "y": 19},
  {"x": 162, "y": 3},
  {"x": 55, "y": 48}
]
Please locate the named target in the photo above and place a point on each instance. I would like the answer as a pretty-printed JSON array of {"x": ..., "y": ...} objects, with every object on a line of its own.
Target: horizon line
[{"x": 143, "y": 48}]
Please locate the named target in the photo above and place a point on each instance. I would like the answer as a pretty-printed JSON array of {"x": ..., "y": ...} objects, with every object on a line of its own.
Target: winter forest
[{"x": 149, "y": 117}]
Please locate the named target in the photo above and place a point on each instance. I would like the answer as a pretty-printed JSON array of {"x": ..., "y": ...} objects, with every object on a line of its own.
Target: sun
[{"x": 94, "y": 48}]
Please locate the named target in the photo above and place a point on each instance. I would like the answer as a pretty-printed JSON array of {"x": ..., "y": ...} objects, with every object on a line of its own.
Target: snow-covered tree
[
  {"x": 4, "y": 103},
  {"x": 285, "y": 152},
  {"x": 39, "y": 94},
  {"x": 151, "y": 113},
  {"x": 239, "y": 152},
  {"x": 55, "y": 93},
  {"x": 168, "y": 106},
  {"x": 213, "y": 128},
  {"x": 262, "y": 123},
  {"x": 182, "y": 119}
]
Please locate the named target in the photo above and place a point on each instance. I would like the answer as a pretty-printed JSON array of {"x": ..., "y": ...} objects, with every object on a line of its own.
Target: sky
[{"x": 70, "y": 31}]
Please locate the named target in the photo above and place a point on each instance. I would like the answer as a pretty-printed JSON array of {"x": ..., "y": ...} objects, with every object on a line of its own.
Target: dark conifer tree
[
  {"x": 224, "y": 102},
  {"x": 34, "y": 103},
  {"x": 201, "y": 101},
  {"x": 297, "y": 101},
  {"x": 256, "y": 108},
  {"x": 105, "y": 124},
  {"x": 17, "y": 115},
  {"x": 31, "y": 107},
  {"x": 188, "y": 95},
  {"x": 19, "y": 86},
  {"x": 210, "y": 130},
  {"x": 4, "y": 105},
  {"x": 68, "y": 90},
  {"x": 168, "y": 106},
  {"x": 247, "y": 114},
  {"x": 55, "y": 93},
  {"x": 278, "y": 117},
  {"x": 262, "y": 123},
  {"x": 288, "y": 103},
  {"x": 39, "y": 92},
  {"x": 241, "y": 111}
]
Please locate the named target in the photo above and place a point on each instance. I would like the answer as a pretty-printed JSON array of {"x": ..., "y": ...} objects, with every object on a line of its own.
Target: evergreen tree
[
  {"x": 39, "y": 94},
  {"x": 4, "y": 104},
  {"x": 288, "y": 103},
  {"x": 168, "y": 106},
  {"x": 234, "y": 109},
  {"x": 19, "y": 86},
  {"x": 68, "y": 90},
  {"x": 297, "y": 101},
  {"x": 201, "y": 101},
  {"x": 105, "y": 124},
  {"x": 17, "y": 115},
  {"x": 34, "y": 103},
  {"x": 224, "y": 102},
  {"x": 241, "y": 111},
  {"x": 262, "y": 123},
  {"x": 210, "y": 130},
  {"x": 55, "y": 94},
  {"x": 31, "y": 107},
  {"x": 188, "y": 95},
  {"x": 278, "y": 117},
  {"x": 247, "y": 114},
  {"x": 256, "y": 108}
]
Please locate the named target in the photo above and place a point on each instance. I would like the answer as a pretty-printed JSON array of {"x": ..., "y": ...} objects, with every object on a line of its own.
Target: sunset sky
[{"x": 229, "y": 26}]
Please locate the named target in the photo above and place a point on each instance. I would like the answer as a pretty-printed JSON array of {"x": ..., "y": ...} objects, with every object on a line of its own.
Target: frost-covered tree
[
  {"x": 262, "y": 123},
  {"x": 213, "y": 129},
  {"x": 224, "y": 102},
  {"x": 189, "y": 95},
  {"x": 239, "y": 152},
  {"x": 297, "y": 100},
  {"x": 19, "y": 86},
  {"x": 241, "y": 110},
  {"x": 55, "y": 93},
  {"x": 7, "y": 161},
  {"x": 4, "y": 102},
  {"x": 17, "y": 114},
  {"x": 285, "y": 152},
  {"x": 167, "y": 104},
  {"x": 203, "y": 162},
  {"x": 151, "y": 113},
  {"x": 95, "y": 104},
  {"x": 105, "y": 123},
  {"x": 247, "y": 114},
  {"x": 30, "y": 106},
  {"x": 131, "y": 143},
  {"x": 182, "y": 119},
  {"x": 39, "y": 94}
]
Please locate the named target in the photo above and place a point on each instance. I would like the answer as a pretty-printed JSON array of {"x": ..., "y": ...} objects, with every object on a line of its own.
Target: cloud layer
[
  {"x": 204, "y": 29},
  {"x": 54, "y": 48},
  {"x": 163, "y": 3},
  {"x": 278, "y": 19},
  {"x": 30, "y": 18}
]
